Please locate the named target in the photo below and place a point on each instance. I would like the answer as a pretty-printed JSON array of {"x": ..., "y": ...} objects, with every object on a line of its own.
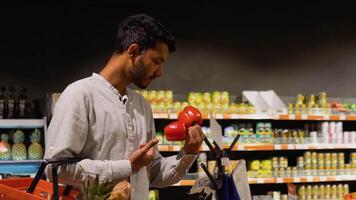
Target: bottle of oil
[
  {"x": 11, "y": 104},
  {"x": 22, "y": 103},
  {"x": 2, "y": 103}
]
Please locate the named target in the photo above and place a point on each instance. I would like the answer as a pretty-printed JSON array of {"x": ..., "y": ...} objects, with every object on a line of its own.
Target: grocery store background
[{"x": 288, "y": 47}]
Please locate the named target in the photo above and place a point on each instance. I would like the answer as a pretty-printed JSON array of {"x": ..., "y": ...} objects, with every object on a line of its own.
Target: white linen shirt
[{"x": 91, "y": 121}]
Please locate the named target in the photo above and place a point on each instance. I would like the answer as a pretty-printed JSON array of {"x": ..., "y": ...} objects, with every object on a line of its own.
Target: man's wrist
[{"x": 189, "y": 151}]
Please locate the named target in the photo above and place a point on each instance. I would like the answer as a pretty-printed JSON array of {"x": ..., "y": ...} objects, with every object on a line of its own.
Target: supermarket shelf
[
  {"x": 340, "y": 117},
  {"x": 22, "y": 123},
  {"x": 268, "y": 147},
  {"x": 19, "y": 161},
  {"x": 337, "y": 117},
  {"x": 306, "y": 179},
  {"x": 164, "y": 115},
  {"x": 25, "y": 167}
]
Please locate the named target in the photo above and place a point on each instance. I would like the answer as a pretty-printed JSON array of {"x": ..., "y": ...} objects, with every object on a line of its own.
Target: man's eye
[{"x": 156, "y": 62}]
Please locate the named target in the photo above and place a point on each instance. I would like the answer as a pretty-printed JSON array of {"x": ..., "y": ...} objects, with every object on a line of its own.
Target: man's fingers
[
  {"x": 151, "y": 152},
  {"x": 150, "y": 144}
]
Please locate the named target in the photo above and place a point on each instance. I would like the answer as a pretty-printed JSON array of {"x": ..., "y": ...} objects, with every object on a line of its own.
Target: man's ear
[{"x": 133, "y": 50}]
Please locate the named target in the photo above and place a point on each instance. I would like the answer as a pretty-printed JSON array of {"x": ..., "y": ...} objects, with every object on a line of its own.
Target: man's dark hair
[{"x": 143, "y": 30}]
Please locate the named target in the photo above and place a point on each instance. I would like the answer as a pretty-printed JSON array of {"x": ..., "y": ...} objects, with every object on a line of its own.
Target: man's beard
[{"x": 138, "y": 74}]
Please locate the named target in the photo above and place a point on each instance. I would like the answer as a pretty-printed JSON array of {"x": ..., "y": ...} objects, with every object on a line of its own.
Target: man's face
[{"x": 149, "y": 64}]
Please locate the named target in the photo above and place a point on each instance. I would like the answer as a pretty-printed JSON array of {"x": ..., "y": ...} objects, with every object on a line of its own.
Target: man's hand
[
  {"x": 143, "y": 156},
  {"x": 193, "y": 139}
]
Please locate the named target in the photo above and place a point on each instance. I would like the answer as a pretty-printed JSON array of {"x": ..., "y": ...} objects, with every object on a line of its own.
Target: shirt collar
[{"x": 122, "y": 98}]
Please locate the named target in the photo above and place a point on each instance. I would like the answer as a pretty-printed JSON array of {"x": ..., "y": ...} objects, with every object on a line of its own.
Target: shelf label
[
  {"x": 173, "y": 116},
  {"x": 296, "y": 180},
  {"x": 219, "y": 116},
  {"x": 240, "y": 147},
  {"x": 260, "y": 180},
  {"x": 234, "y": 116},
  {"x": 304, "y": 117},
  {"x": 290, "y": 146},
  {"x": 277, "y": 147},
  {"x": 279, "y": 180},
  {"x": 323, "y": 178},
  {"x": 292, "y": 117},
  {"x": 176, "y": 148},
  {"x": 309, "y": 179}
]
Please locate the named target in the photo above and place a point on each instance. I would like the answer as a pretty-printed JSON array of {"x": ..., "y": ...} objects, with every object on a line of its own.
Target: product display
[
  {"x": 311, "y": 164},
  {"x": 206, "y": 102},
  {"x": 325, "y": 192},
  {"x": 35, "y": 150},
  {"x": 319, "y": 104},
  {"x": 5, "y": 147},
  {"x": 14, "y": 104},
  {"x": 19, "y": 151}
]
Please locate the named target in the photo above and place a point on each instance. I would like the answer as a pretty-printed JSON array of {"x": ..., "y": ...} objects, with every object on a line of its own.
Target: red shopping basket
[
  {"x": 36, "y": 188},
  {"x": 351, "y": 196}
]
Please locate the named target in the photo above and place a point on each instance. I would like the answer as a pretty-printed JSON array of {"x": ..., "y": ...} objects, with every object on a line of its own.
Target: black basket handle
[{"x": 55, "y": 164}]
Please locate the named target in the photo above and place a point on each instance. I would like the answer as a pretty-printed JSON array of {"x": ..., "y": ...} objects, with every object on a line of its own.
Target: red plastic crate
[{"x": 15, "y": 189}]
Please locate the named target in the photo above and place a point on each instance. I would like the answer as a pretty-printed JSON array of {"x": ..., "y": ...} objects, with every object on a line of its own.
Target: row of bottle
[
  {"x": 327, "y": 192},
  {"x": 17, "y": 105}
]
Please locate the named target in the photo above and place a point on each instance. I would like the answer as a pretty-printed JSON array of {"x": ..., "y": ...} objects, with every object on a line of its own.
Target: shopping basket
[
  {"x": 351, "y": 196},
  {"x": 37, "y": 188}
]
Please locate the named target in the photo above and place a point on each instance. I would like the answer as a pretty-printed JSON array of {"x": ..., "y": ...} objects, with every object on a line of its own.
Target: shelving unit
[
  {"x": 21, "y": 167},
  {"x": 253, "y": 150},
  {"x": 303, "y": 179},
  {"x": 274, "y": 116}
]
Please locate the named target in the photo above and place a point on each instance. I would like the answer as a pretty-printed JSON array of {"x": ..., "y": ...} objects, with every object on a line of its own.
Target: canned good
[
  {"x": 315, "y": 189},
  {"x": 333, "y": 190},
  {"x": 341, "y": 158},
  {"x": 309, "y": 190},
  {"x": 300, "y": 162},
  {"x": 168, "y": 96},
  {"x": 275, "y": 164},
  {"x": 346, "y": 189},
  {"x": 321, "y": 190},
  {"x": 328, "y": 190}
]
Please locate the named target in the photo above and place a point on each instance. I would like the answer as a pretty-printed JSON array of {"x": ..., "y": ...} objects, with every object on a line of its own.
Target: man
[{"x": 98, "y": 118}]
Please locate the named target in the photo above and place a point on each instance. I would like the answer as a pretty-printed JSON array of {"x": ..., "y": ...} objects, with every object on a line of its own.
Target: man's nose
[{"x": 159, "y": 72}]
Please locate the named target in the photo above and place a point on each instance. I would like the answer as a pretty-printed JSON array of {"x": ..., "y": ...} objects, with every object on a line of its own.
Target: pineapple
[
  {"x": 35, "y": 151},
  {"x": 95, "y": 190},
  {"x": 5, "y": 148},
  {"x": 19, "y": 151}
]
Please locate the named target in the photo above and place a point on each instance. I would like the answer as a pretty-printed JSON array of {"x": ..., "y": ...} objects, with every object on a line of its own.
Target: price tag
[
  {"x": 279, "y": 180},
  {"x": 292, "y": 117},
  {"x": 309, "y": 179},
  {"x": 173, "y": 116},
  {"x": 260, "y": 180},
  {"x": 326, "y": 117},
  {"x": 304, "y": 117},
  {"x": 176, "y": 148},
  {"x": 219, "y": 116},
  {"x": 296, "y": 180},
  {"x": 323, "y": 178},
  {"x": 277, "y": 147},
  {"x": 234, "y": 116},
  {"x": 342, "y": 117},
  {"x": 290, "y": 146}
]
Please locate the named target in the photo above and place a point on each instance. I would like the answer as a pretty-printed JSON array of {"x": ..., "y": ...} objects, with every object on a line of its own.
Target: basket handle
[{"x": 55, "y": 164}]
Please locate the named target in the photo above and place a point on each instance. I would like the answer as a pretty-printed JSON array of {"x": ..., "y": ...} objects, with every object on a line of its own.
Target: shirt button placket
[{"x": 130, "y": 134}]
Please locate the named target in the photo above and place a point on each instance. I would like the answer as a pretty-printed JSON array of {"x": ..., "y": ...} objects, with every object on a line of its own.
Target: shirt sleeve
[
  {"x": 170, "y": 170},
  {"x": 66, "y": 137}
]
